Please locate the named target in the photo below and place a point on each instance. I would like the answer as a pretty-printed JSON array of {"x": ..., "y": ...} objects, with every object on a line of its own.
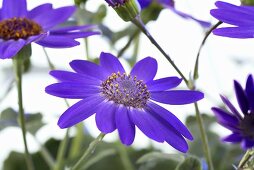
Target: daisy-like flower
[
  {"x": 241, "y": 125},
  {"x": 122, "y": 101},
  {"x": 20, "y": 27},
  {"x": 241, "y": 17},
  {"x": 170, "y": 4}
]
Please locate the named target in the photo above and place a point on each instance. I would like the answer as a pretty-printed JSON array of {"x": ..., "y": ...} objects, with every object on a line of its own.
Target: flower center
[
  {"x": 247, "y": 125},
  {"x": 16, "y": 28},
  {"x": 125, "y": 89}
]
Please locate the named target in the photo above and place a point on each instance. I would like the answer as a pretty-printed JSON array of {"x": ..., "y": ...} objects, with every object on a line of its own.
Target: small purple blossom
[
  {"x": 170, "y": 4},
  {"x": 241, "y": 17},
  {"x": 20, "y": 27},
  {"x": 241, "y": 125},
  {"x": 122, "y": 101}
]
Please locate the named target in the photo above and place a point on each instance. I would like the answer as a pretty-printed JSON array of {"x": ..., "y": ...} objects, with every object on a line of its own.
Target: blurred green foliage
[
  {"x": 107, "y": 156},
  {"x": 9, "y": 118},
  {"x": 224, "y": 155}
]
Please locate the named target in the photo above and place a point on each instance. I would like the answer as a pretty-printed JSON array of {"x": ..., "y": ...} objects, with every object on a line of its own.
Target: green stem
[
  {"x": 87, "y": 49},
  {"x": 135, "y": 50},
  {"x": 45, "y": 154},
  {"x": 99, "y": 157},
  {"x": 195, "y": 76},
  {"x": 77, "y": 141},
  {"x": 198, "y": 116},
  {"x": 88, "y": 152},
  {"x": 18, "y": 66},
  {"x": 63, "y": 145},
  {"x": 51, "y": 65},
  {"x": 141, "y": 26},
  {"x": 8, "y": 90},
  {"x": 204, "y": 138},
  {"x": 61, "y": 151},
  {"x": 136, "y": 47},
  {"x": 125, "y": 158},
  {"x": 127, "y": 45},
  {"x": 247, "y": 156}
]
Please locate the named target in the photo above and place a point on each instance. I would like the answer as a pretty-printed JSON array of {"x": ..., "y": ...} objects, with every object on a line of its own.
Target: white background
[{"x": 179, "y": 37}]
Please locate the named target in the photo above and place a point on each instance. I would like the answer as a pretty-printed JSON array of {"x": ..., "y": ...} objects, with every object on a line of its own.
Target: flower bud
[{"x": 126, "y": 9}]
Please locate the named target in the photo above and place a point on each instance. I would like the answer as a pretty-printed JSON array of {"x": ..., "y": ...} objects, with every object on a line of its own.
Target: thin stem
[
  {"x": 51, "y": 65},
  {"x": 90, "y": 150},
  {"x": 61, "y": 151},
  {"x": 247, "y": 156},
  {"x": 204, "y": 138},
  {"x": 125, "y": 158},
  {"x": 195, "y": 76},
  {"x": 136, "y": 47},
  {"x": 18, "y": 66},
  {"x": 87, "y": 48},
  {"x": 127, "y": 45},
  {"x": 141, "y": 26},
  {"x": 135, "y": 50},
  {"x": 99, "y": 157},
  {"x": 63, "y": 145},
  {"x": 198, "y": 116},
  {"x": 77, "y": 141},
  {"x": 45, "y": 154},
  {"x": 8, "y": 90}
]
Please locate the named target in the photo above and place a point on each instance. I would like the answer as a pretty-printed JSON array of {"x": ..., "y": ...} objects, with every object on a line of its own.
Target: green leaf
[
  {"x": 223, "y": 155},
  {"x": 84, "y": 16},
  {"x": 159, "y": 161},
  {"x": 151, "y": 13},
  {"x": 157, "y": 156},
  {"x": 34, "y": 122},
  {"x": 190, "y": 162},
  {"x": 79, "y": 2},
  {"x": 102, "y": 155},
  {"x": 16, "y": 160},
  {"x": 9, "y": 118}
]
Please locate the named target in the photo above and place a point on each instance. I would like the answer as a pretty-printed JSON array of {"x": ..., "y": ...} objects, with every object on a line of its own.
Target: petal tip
[{"x": 61, "y": 124}]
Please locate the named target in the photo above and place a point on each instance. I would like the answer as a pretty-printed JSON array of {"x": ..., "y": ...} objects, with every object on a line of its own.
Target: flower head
[
  {"x": 170, "y": 4},
  {"x": 19, "y": 27},
  {"x": 241, "y": 17},
  {"x": 122, "y": 101},
  {"x": 241, "y": 125}
]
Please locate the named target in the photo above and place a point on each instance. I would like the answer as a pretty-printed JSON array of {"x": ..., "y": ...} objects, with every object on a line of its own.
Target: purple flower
[
  {"x": 20, "y": 27},
  {"x": 122, "y": 101},
  {"x": 241, "y": 17},
  {"x": 170, "y": 4},
  {"x": 241, "y": 125}
]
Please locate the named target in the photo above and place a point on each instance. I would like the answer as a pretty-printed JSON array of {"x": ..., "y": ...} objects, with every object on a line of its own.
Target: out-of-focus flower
[
  {"x": 122, "y": 100},
  {"x": 241, "y": 125},
  {"x": 169, "y": 4},
  {"x": 20, "y": 27},
  {"x": 241, "y": 17}
]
